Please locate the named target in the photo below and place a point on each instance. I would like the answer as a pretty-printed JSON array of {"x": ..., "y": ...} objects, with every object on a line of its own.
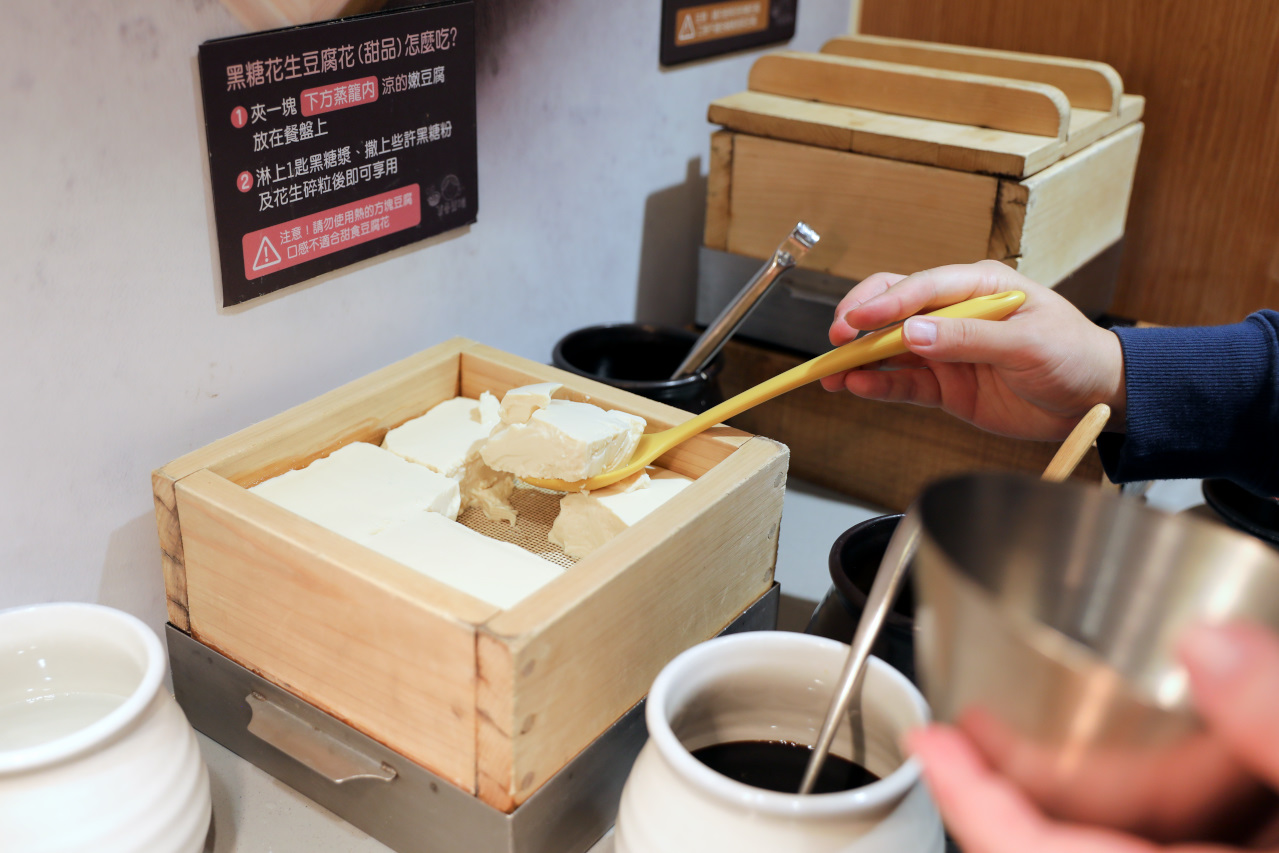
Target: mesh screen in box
[{"x": 536, "y": 510}]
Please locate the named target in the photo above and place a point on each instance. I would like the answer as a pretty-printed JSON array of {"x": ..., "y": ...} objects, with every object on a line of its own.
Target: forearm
[{"x": 1200, "y": 402}]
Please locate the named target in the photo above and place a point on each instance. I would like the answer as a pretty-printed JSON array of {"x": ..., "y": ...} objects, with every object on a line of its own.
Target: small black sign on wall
[
  {"x": 334, "y": 142},
  {"x": 696, "y": 29}
]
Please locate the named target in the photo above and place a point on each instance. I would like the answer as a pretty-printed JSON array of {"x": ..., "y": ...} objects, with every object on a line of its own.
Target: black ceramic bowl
[
  {"x": 1243, "y": 510},
  {"x": 640, "y": 358},
  {"x": 854, "y": 561}
]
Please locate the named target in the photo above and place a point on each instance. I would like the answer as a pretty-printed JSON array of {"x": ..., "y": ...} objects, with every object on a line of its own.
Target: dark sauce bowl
[
  {"x": 1243, "y": 510},
  {"x": 640, "y": 358},
  {"x": 854, "y": 561}
]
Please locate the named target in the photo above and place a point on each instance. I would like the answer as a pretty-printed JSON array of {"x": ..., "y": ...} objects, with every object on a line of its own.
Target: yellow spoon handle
[{"x": 876, "y": 346}]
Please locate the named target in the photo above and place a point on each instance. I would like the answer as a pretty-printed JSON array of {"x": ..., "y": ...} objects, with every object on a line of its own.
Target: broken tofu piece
[
  {"x": 519, "y": 404},
  {"x": 589, "y": 519},
  {"x": 447, "y": 440},
  {"x": 559, "y": 439}
]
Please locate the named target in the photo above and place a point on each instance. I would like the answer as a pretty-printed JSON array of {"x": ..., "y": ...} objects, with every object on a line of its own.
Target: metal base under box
[{"x": 401, "y": 804}]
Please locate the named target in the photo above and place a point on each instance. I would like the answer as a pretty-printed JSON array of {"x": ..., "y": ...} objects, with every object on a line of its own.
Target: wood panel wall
[{"x": 1203, "y": 230}]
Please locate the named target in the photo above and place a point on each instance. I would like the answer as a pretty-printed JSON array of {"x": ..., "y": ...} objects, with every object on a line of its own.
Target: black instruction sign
[{"x": 335, "y": 142}]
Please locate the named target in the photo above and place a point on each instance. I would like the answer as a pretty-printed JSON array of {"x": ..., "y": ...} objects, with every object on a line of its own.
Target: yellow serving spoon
[{"x": 873, "y": 347}]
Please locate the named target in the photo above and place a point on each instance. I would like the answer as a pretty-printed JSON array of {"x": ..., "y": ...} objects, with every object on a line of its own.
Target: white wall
[{"x": 116, "y": 355}]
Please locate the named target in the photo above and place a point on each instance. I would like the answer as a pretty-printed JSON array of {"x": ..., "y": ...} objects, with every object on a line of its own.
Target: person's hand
[
  {"x": 1234, "y": 675},
  {"x": 1031, "y": 375}
]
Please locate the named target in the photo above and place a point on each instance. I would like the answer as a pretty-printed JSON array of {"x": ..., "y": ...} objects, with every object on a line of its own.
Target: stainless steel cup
[{"x": 1047, "y": 616}]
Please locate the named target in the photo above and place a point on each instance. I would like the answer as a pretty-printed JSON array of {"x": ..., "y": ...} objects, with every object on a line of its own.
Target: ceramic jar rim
[
  {"x": 890, "y": 788},
  {"x": 69, "y": 745}
]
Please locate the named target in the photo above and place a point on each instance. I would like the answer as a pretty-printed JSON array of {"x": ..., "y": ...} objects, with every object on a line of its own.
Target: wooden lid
[{"x": 962, "y": 108}]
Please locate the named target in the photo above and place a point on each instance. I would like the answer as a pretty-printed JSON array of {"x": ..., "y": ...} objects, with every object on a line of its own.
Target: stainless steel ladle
[{"x": 888, "y": 581}]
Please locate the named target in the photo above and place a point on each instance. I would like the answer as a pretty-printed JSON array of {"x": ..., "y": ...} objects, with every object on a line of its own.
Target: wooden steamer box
[
  {"x": 901, "y": 167},
  {"x": 493, "y": 701},
  {"x": 903, "y": 156}
]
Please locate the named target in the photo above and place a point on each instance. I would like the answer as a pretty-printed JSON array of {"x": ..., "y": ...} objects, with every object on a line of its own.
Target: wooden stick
[{"x": 1081, "y": 438}]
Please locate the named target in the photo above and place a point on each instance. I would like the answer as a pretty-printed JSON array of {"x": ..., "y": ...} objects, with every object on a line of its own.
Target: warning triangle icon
[
  {"x": 687, "y": 30},
  {"x": 267, "y": 256}
]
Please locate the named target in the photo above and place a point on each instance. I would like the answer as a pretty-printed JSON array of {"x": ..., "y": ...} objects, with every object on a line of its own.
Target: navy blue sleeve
[{"x": 1202, "y": 402}]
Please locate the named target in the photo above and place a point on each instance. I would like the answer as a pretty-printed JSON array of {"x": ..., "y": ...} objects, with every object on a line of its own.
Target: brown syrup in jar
[{"x": 779, "y": 766}]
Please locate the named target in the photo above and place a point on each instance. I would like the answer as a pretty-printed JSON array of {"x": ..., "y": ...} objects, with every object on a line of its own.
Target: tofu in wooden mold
[
  {"x": 361, "y": 489},
  {"x": 589, "y": 519},
  {"x": 559, "y": 439}
]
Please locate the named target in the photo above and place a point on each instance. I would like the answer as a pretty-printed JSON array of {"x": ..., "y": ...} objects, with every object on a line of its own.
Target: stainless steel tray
[
  {"x": 797, "y": 312},
  {"x": 401, "y": 804}
]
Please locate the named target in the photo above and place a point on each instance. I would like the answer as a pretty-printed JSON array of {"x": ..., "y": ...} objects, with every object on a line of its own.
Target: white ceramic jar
[
  {"x": 773, "y": 685},
  {"x": 95, "y": 754}
]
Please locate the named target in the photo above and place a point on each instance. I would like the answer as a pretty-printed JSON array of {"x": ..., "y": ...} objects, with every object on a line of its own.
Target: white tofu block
[
  {"x": 360, "y": 489},
  {"x": 497, "y": 572},
  {"x": 589, "y": 519},
  {"x": 490, "y": 408},
  {"x": 564, "y": 440},
  {"x": 519, "y": 404},
  {"x": 447, "y": 439}
]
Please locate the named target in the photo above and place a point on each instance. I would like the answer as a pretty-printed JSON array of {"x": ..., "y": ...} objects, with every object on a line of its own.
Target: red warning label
[
  {"x": 307, "y": 237},
  {"x": 339, "y": 96}
]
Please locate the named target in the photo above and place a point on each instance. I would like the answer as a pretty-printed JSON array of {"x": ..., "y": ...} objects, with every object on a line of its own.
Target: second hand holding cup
[{"x": 888, "y": 581}]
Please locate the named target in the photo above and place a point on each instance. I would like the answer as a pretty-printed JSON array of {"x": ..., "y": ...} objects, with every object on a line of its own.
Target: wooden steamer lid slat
[
  {"x": 916, "y": 140},
  {"x": 943, "y": 115},
  {"x": 950, "y": 96},
  {"x": 1085, "y": 83}
]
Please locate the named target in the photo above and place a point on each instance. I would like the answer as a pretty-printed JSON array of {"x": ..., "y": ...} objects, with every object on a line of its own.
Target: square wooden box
[
  {"x": 495, "y": 701},
  {"x": 907, "y": 155}
]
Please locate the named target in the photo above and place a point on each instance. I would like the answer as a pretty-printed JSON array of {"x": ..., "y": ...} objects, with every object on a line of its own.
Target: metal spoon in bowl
[
  {"x": 787, "y": 255},
  {"x": 888, "y": 581}
]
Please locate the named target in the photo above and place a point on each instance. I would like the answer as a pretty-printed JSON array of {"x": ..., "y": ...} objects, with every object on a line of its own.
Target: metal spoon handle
[
  {"x": 883, "y": 592},
  {"x": 794, "y": 247}
]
